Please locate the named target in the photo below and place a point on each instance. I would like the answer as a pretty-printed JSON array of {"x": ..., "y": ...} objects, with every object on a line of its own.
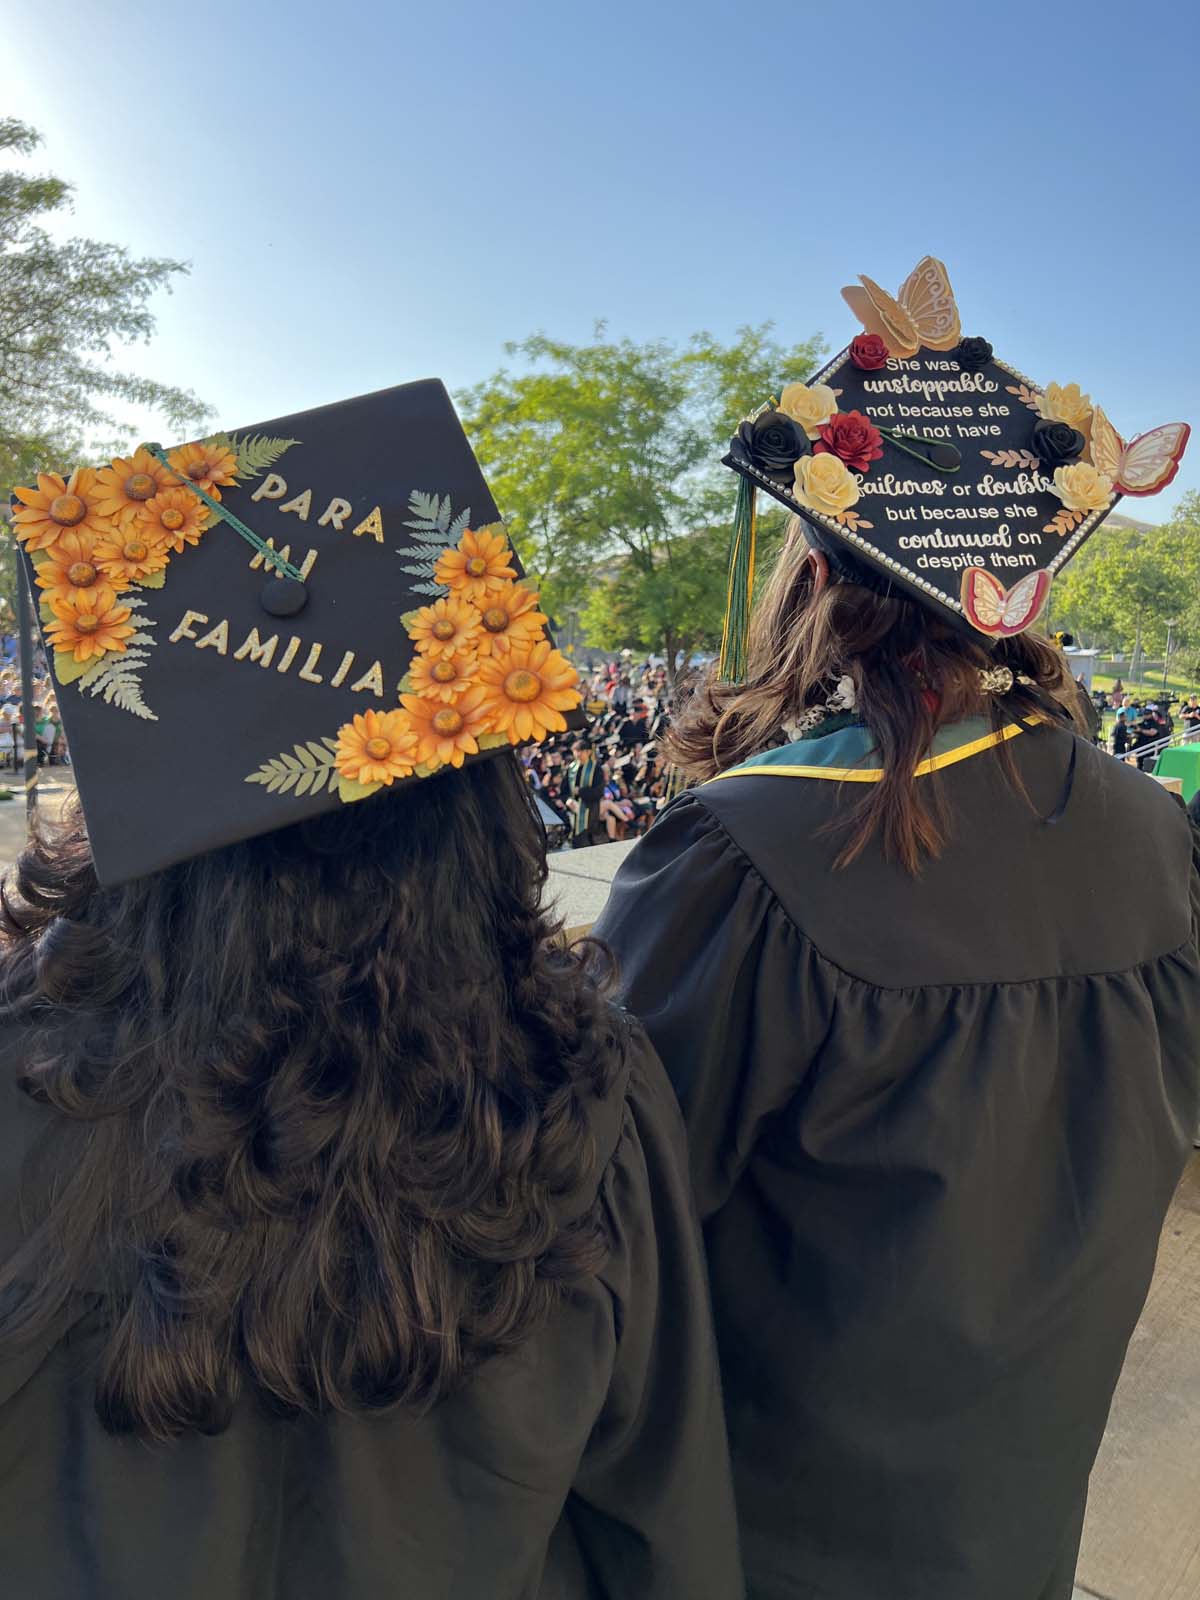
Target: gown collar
[{"x": 847, "y": 755}]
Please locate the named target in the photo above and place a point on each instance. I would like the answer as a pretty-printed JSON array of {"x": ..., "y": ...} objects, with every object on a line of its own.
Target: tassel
[{"x": 740, "y": 591}]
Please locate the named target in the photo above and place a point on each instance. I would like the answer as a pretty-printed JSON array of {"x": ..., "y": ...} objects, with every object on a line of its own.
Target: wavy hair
[
  {"x": 323, "y": 1096},
  {"x": 912, "y": 673}
]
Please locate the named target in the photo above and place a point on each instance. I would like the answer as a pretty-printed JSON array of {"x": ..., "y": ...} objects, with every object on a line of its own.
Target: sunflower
[
  {"x": 58, "y": 506},
  {"x": 442, "y": 677},
  {"x": 70, "y": 570},
  {"x": 446, "y": 734},
  {"x": 509, "y": 617},
  {"x": 131, "y": 553},
  {"x": 528, "y": 689},
  {"x": 208, "y": 466},
  {"x": 479, "y": 565},
  {"x": 446, "y": 628},
  {"x": 91, "y": 626},
  {"x": 376, "y": 747},
  {"x": 123, "y": 487},
  {"x": 175, "y": 518}
]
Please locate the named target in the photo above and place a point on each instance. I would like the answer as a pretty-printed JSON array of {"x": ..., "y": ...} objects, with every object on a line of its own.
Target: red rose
[
  {"x": 852, "y": 437},
  {"x": 869, "y": 352}
]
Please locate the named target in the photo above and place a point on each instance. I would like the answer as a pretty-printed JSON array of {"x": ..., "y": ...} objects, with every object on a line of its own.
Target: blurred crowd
[{"x": 51, "y": 743}]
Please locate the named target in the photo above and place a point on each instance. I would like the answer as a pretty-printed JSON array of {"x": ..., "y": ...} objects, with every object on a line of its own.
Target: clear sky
[{"x": 372, "y": 192}]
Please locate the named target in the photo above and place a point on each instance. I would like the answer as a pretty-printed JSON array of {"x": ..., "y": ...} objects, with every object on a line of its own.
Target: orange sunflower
[
  {"x": 479, "y": 566},
  {"x": 210, "y": 466},
  {"x": 509, "y": 617},
  {"x": 130, "y": 553},
  {"x": 442, "y": 677},
  {"x": 58, "y": 506},
  {"x": 528, "y": 689},
  {"x": 376, "y": 747},
  {"x": 69, "y": 570},
  {"x": 446, "y": 628},
  {"x": 446, "y": 734},
  {"x": 174, "y": 518},
  {"x": 123, "y": 487},
  {"x": 90, "y": 626}
]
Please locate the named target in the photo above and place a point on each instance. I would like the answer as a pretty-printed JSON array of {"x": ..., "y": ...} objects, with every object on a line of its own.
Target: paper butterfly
[
  {"x": 1143, "y": 467},
  {"x": 998, "y": 611},
  {"x": 923, "y": 312}
]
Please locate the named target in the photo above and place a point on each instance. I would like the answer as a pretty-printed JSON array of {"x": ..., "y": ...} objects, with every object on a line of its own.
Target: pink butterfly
[{"x": 998, "y": 611}]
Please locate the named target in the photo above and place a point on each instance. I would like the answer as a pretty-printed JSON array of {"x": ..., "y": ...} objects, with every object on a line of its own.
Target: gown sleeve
[
  {"x": 652, "y": 1506},
  {"x": 735, "y": 1000}
]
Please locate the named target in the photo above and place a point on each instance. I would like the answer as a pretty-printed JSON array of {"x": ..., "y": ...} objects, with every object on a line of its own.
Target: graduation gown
[
  {"x": 591, "y": 1463},
  {"x": 935, "y": 1124}
]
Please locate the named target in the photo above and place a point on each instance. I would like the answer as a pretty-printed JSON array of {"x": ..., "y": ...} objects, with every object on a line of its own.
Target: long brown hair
[
  {"x": 321, "y": 1099},
  {"x": 912, "y": 673}
]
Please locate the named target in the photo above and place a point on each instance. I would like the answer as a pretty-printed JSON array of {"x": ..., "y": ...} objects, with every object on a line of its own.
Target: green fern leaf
[{"x": 255, "y": 454}]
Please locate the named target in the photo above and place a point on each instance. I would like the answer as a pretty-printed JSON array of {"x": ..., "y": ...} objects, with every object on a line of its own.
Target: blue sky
[{"x": 374, "y": 192}]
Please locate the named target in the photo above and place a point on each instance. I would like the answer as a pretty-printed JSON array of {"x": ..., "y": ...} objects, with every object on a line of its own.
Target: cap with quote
[{"x": 253, "y": 628}]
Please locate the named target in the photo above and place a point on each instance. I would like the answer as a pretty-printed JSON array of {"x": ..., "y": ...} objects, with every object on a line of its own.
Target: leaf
[
  {"x": 423, "y": 505},
  {"x": 255, "y": 454},
  {"x": 1064, "y": 522},
  {"x": 154, "y": 580},
  {"x": 1024, "y": 394},
  {"x": 306, "y": 757},
  {"x": 492, "y": 741},
  {"x": 1012, "y": 458},
  {"x": 437, "y": 589},
  {"x": 351, "y": 791},
  {"x": 307, "y": 771},
  {"x": 419, "y": 572},
  {"x": 66, "y": 668},
  {"x": 459, "y": 526}
]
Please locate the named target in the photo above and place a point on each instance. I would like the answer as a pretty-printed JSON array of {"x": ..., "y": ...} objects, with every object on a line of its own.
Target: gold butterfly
[
  {"x": 923, "y": 312},
  {"x": 1143, "y": 467}
]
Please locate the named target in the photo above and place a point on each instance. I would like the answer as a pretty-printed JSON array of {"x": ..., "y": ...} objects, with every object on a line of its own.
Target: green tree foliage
[
  {"x": 605, "y": 458},
  {"x": 64, "y": 306}
]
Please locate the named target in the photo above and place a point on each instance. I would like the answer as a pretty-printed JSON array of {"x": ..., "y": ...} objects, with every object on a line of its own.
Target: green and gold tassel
[{"x": 740, "y": 593}]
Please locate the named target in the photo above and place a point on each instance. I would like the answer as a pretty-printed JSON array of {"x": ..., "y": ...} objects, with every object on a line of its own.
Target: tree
[
  {"x": 604, "y": 457},
  {"x": 63, "y": 307}
]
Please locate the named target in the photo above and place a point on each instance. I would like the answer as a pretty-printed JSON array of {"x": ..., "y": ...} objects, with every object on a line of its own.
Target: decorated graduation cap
[
  {"x": 923, "y": 465},
  {"x": 267, "y": 624}
]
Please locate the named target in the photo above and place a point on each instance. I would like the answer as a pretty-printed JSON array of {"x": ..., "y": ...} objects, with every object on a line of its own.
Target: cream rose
[
  {"x": 825, "y": 484},
  {"x": 1064, "y": 403},
  {"x": 811, "y": 408},
  {"x": 1082, "y": 488}
]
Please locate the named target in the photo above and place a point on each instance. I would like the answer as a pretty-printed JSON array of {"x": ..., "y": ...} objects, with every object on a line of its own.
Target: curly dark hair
[{"x": 324, "y": 1099}]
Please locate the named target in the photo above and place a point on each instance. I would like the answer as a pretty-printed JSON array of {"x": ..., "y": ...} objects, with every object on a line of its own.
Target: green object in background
[{"x": 1181, "y": 761}]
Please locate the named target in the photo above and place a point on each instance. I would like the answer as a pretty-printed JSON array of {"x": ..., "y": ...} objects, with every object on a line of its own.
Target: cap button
[
  {"x": 946, "y": 457},
  {"x": 283, "y": 597}
]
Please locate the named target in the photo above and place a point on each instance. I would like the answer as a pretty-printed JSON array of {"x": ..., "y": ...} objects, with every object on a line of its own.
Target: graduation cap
[
  {"x": 925, "y": 466},
  {"x": 267, "y": 624}
]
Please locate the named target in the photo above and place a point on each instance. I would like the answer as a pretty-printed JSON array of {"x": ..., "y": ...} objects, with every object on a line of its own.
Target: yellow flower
[
  {"x": 57, "y": 506},
  {"x": 1064, "y": 403},
  {"x": 131, "y": 553},
  {"x": 810, "y": 407},
  {"x": 447, "y": 734},
  {"x": 376, "y": 747},
  {"x": 528, "y": 690},
  {"x": 509, "y": 617},
  {"x": 69, "y": 570},
  {"x": 89, "y": 627},
  {"x": 446, "y": 628},
  {"x": 442, "y": 677},
  {"x": 175, "y": 517},
  {"x": 123, "y": 487},
  {"x": 824, "y": 483},
  {"x": 479, "y": 565},
  {"x": 208, "y": 465},
  {"x": 1082, "y": 488}
]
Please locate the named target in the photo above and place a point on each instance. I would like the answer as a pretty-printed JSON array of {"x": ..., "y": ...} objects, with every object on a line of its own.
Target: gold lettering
[
  {"x": 216, "y": 638},
  {"x": 339, "y": 676},
  {"x": 306, "y": 671},
  {"x": 372, "y": 525},
  {"x": 273, "y": 487},
  {"x": 260, "y": 650},
  {"x": 336, "y": 513},
  {"x": 371, "y": 679},
  {"x": 306, "y": 566},
  {"x": 187, "y": 629},
  {"x": 301, "y": 505},
  {"x": 289, "y": 655}
]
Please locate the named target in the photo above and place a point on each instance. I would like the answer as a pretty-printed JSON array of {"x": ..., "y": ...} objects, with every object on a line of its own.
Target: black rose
[
  {"x": 773, "y": 442},
  {"x": 1056, "y": 443},
  {"x": 973, "y": 355}
]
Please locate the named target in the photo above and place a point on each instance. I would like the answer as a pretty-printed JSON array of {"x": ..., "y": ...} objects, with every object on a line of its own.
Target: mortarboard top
[
  {"x": 251, "y": 630},
  {"x": 924, "y": 465}
]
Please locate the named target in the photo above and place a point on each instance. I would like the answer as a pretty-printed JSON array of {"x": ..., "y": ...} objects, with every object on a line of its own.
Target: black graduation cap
[
  {"x": 925, "y": 466},
  {"x": 267, "y": 624}
]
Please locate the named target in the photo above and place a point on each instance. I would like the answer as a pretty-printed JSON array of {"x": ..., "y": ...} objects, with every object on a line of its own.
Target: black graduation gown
[
  {"x": 935, "y": 1125},
  {"x": 592, "y": 1463}
]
